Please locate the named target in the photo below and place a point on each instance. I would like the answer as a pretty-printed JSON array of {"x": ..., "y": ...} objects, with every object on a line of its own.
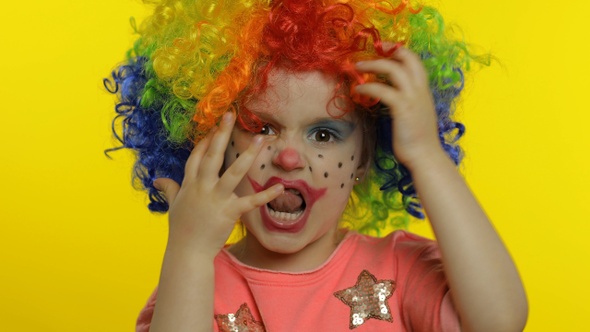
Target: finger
[
  {"x": 238, "y": 169},
  {"x": 194, "y": 160},
  {"x": 395, "y": 71},
  {"x": 382, "y": 91},
  {"x": 251, "y": 202},
  {"x": 390, "y": 47},
  {"x": 169, "y": 187},
  {"x": 411, "y": 61},
  {"x": 213, "y": 159}
]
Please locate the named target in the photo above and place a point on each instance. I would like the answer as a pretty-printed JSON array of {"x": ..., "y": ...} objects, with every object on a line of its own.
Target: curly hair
[{"x": 195, "y": 60}]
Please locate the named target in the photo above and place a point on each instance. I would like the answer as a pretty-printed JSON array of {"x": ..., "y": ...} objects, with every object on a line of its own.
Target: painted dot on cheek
[
  {"x": 232, "y": 143},
  {"x": 351, "y": 175},
  {"x": 310, "y": 169},
  {"x": 342, "y": 185},
  {"x": 262, "y": 166},
  {"x": 325, "y": 174},
  {"x": 339, "y": 165},
  {"x": 320, "y": 156},
  {"x": 351, "y": 157},
  {"x": 237, "y": 155},
  {"x": 268, "y": 148}
]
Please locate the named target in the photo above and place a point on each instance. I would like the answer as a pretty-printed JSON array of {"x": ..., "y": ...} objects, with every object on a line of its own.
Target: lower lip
[{"x": 291, "y": 226}]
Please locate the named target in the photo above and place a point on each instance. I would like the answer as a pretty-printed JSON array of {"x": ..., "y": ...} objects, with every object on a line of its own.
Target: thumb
[{"x": 169, "y": 187}]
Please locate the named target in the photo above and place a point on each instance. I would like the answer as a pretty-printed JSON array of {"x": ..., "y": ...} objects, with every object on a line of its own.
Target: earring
[{"x": 357, "y": 179}]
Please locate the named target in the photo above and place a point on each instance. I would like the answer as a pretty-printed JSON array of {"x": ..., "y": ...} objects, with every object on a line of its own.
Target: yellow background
[{"x": 80, "y": 252}]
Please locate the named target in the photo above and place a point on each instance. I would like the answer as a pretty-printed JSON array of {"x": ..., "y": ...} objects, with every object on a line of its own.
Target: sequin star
[
  {"x": 241, "y": 321},
  {"x": 367, "y": 299}
]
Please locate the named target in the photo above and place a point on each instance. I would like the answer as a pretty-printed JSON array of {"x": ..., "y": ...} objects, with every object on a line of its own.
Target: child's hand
[
  {"x": 205, "y": 208},
  {"x": 415, "y": 134}
]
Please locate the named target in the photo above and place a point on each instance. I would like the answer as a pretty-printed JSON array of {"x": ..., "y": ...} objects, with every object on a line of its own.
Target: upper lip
[{"x": 299, "y": 185}]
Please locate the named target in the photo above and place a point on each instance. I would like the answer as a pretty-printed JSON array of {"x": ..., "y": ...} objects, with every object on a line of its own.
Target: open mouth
[
  {"x": 290, "y": 210},
  {"x": 289, "y": 206}
]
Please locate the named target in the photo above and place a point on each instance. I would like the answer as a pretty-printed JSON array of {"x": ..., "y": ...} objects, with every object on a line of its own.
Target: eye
[
  {"x": 324, "y": 135},
  {"x": 267, "y": 130}
]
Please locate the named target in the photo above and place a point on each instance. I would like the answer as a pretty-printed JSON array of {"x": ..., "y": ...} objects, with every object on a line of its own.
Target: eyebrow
[{"x": 344, "y": 124}]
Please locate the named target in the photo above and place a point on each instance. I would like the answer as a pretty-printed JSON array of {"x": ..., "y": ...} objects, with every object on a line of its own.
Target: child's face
[{"x": 316, "y": 156}]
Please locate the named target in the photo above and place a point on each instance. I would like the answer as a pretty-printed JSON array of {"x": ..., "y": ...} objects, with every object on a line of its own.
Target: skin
[
  {"x": 485, "y": 286},
  {"x": 304, "y": 142}
]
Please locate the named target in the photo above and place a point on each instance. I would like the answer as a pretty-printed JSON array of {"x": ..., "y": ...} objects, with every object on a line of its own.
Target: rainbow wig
[{"x": 196, "y": 60}]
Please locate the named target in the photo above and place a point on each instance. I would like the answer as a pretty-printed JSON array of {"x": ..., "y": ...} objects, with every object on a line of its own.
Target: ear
[
  {"x": 368, "y": 149},
  {"x": 362, "y": 169},
  {"x": 368, "y": 146}
]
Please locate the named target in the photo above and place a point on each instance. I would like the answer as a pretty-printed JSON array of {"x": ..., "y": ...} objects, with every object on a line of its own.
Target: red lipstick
[{"x": 310, "y": 196}]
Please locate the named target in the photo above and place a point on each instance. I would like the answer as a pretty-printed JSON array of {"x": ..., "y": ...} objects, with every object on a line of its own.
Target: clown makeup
[{"x": 309, "y": 151}]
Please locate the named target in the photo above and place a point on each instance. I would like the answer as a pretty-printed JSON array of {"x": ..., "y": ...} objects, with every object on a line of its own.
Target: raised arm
[
  {"x": 485, "y": 285},
  {"x": 202, "y": 214}
]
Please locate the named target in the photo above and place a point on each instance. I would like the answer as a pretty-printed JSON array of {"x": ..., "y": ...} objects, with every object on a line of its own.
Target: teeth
[
  {"x": 284, "y": 215},
  {"x": 294, "y": 191}
]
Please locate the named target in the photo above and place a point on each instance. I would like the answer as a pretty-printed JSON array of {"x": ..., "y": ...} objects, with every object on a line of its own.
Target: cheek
[
  {"x": 231, "y": 153},
  {"x": 238, "y": 144},
  {"x": 264, "y": 159},
  {"x": 336, "y": 169},
  {"x": 234, "y": 149}
]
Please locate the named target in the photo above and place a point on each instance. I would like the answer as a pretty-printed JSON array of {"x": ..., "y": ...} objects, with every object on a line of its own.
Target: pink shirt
[{"x": 395, "y": 283}]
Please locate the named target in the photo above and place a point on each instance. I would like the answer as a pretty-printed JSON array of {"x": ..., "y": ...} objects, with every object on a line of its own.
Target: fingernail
[
  {"x": 278, "y": 188},
  {"x": 257, "y": 140},
  {"x": 227, "y": 117},
  {"x": 157, "y": 185},
  {"x": 360, "y": 63}
]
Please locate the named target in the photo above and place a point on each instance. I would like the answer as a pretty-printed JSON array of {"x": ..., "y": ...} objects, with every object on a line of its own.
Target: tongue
[{"x": 289, "y": 201}]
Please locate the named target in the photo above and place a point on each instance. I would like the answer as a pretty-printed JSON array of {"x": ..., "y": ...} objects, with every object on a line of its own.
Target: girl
[{"x": 304, "y": 120}]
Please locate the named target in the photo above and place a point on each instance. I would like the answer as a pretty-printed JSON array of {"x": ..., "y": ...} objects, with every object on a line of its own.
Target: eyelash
[
  {"x": 268, "y": 127},
  {"x": 333, "y": 135}
]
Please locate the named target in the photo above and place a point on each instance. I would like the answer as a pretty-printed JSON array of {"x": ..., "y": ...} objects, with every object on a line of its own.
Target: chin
[
  {"x": 287, "y": 242},
  {"x": 281, "y": 242}
]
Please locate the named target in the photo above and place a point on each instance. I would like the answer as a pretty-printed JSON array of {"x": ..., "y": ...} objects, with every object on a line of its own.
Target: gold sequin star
[
  {"x": 241, "y": 321},
  {"x": 367, "y": 299}
]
